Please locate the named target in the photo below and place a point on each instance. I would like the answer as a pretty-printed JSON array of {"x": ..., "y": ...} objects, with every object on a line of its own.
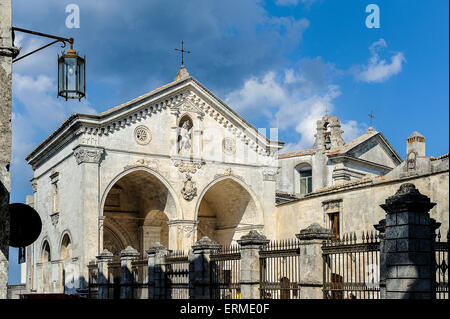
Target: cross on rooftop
[
  {"x": 183, "y": 51},
  {"x": 371, "y": 117}
]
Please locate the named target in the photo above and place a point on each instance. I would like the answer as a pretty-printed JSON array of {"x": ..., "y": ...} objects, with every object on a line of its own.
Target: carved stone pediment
[{"x": 331, "y": 206}]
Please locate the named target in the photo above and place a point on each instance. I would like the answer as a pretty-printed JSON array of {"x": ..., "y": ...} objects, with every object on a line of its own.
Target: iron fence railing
[
  {"x": 441, "y": 268},
  {"x": 177, "y": 275},
  {"x": 351, "y": 270},
  {"x": 279, "y": 270},
  {"x": 225, "y": 273}
]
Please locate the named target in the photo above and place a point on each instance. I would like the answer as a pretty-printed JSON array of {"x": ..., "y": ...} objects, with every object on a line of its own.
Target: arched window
[
  {"x": 327, "y": 135},
  {"x": 66, "y": 247},
  {"x": 46, "y": 256},
  {"x": 303, "y": 179}
]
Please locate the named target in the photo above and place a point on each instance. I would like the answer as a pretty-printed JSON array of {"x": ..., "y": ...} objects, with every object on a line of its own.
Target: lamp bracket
[{"x": 57, "y": 39}]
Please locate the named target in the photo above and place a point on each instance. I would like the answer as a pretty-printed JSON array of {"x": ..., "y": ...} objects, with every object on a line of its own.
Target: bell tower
[{"x": 329, "y": 134}]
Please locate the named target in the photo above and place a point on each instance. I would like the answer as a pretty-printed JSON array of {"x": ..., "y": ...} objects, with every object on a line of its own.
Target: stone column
[
  {"x": 6, "y": 56},
  {"x": 103, "y": 275},
  {"x": 250, "y": 268},
  {"x": 156, "y": 276},
  {"x": 311, "y": 261},
  {"x": 199, "y": 268},
  {"x": 88, "y": 158},
  {"x": 126, "y": 257},
  {"x": 409, "y": 245}
]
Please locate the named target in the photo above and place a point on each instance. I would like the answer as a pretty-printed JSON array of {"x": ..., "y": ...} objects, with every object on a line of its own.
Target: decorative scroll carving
[
  {"x": 152, "y": 164},
  {"x": 188, "y": 167},
  {"x": 88, "y": 155},
  {"x": 270, "y": 173}
]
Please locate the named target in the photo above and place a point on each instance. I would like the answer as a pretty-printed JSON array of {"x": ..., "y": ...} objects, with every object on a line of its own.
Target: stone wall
[
  {"x": 358, "y": 204},
  {"x": 5, "y": 139}
]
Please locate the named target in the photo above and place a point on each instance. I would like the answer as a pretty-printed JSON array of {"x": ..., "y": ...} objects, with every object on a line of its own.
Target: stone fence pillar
[
  {"x": 199, "y": 268},
  {"x": 311, "y": 260},
  {"x": 409, "y": 245},
  {"x": 126, "y": 257},
  {"x": 103, "y": 275},
  {"x": 156, "y": 271},
  {"x": 250, "y": 265}
]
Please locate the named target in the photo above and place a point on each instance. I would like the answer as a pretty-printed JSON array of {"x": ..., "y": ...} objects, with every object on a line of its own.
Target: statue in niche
[{"x": 185, "y": 137}]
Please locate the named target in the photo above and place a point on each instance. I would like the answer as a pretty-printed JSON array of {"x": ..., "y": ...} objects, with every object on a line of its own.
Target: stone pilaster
[
  {"x": 311, "y": 261},
  {"x": 126, "y": 257},
  {"x": 199, "y": 268},
  {"x": 88, "y": 159},
  {"x": 103, "y": 275},
  {"x": 250, "y": 269},
  {"x": 409, "y": 245},
  {"x": 156, "y": 276}
]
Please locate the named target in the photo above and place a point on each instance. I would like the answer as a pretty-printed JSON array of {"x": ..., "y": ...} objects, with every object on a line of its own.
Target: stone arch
[
  {"x": 137, "y": 205},
  {"x": 113, "y": 242},
  {"x": 161, "y": 178},
  {"x": 226, "y": 209}
]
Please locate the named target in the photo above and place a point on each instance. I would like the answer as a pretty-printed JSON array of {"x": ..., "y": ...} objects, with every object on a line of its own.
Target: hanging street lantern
[
  {"x": 71, "y": 75},
  {"x": 71, "y": 67}
]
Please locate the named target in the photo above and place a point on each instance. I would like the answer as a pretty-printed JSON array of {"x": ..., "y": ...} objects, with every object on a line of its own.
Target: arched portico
[
  {"x": 227, "y": 209},
  {"x": 137, "y": 205}
]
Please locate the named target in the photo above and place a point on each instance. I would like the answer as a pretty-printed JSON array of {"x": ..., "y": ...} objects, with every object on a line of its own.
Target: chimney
[{"x": 416, "y": 143}]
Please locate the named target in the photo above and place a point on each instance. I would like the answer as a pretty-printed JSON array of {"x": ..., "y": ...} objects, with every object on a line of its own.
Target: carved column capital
[{"x": 88, "y": 154}]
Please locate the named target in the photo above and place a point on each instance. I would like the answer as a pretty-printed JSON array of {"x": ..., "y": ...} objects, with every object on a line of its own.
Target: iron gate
[
  {"x": 441, "y": 268},
  {"x": 279, "y": 270},
  {"x": 225, "y": 273},
  {"x": 351, "y": 270},
  {"x": 177, "y": 275}
]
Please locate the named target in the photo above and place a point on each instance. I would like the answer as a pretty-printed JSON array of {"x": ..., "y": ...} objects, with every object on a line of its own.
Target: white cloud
[
  {"x": 37, "y": 112},
  {"x": 379, "y": 70},
  {"x": 293, "y": 2},
  {"x": 292, "y": 99}
]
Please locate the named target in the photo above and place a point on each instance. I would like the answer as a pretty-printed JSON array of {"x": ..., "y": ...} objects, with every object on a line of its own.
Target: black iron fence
[
  {"x": 351, "y": 269},
  {"x": 279, "y": 270},
  {"x": 225, "y": 273},
  {"x": 441, "y": 268},
  {"x": 177, "y": 275}
]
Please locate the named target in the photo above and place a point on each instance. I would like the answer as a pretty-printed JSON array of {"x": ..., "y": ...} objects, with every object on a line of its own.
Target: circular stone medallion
[
  {"x": 142, "y": 135},
  {"x": 229, "y": 146}
]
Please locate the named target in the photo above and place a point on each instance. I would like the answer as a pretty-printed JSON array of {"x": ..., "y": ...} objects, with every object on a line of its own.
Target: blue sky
[{"x": 278, "y": 63}]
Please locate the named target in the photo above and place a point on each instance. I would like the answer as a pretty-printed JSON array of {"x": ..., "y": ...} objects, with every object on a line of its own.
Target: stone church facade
[{"x": 178, "y": 164}]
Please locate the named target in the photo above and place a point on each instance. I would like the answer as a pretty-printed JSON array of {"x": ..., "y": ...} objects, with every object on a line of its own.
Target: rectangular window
[
  {"x": 305, "y": 182},
  {"x": 334, "y": 224}
]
